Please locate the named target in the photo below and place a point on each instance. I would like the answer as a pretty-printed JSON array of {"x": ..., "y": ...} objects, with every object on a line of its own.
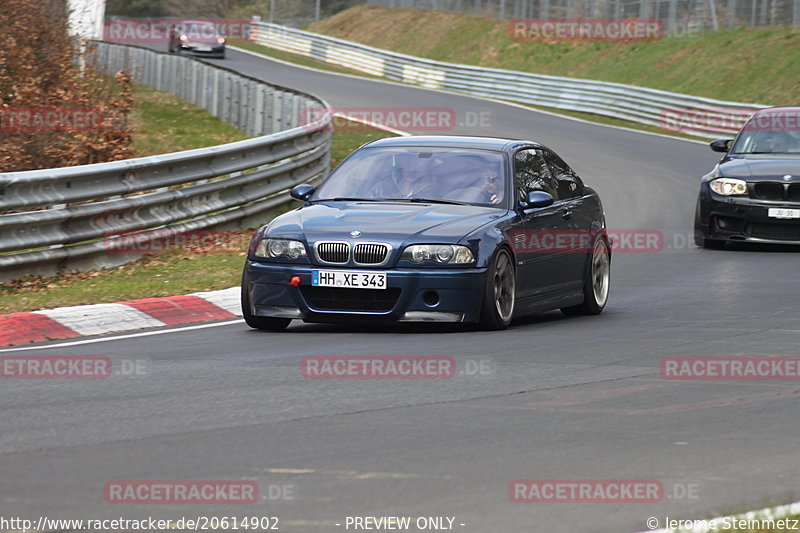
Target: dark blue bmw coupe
[{"x": 433, "y": 229}]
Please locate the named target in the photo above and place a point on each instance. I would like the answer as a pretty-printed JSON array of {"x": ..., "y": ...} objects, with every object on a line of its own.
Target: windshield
[
  {"x": 198, "y": 30},
  {"x": 769, "y": 133},
  {"x": 475, "y": 177}
]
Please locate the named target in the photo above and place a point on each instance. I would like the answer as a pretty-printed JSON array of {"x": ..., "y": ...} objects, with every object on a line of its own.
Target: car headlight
[
  {"x": 184, "y": 38},
  {"x": 221, "y": 40},
  {"x": 451, "y": 254},
  {"x": 275, "y": 248},
  {"x": 728, "y": 186}
]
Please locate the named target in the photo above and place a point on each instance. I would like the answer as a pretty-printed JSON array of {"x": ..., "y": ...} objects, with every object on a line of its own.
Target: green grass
[
  {"x": 746, "y": 65},
  {"x": 164, "y": 123},
  {"x": 177, "y": 271}
]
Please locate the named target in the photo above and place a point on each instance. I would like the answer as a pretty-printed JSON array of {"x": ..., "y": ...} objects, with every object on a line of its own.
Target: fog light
[{"x": 431, "y": 298}]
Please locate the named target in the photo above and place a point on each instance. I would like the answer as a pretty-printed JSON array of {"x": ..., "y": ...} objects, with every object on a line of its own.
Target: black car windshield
[
  {"x": 447, "y": 175},
  {"x": 198, "y": 30},
  {"x": 769, "y": 133}
]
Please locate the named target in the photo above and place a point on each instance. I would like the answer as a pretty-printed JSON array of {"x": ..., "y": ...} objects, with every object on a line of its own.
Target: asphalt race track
[{"x": 557, "y": 397}]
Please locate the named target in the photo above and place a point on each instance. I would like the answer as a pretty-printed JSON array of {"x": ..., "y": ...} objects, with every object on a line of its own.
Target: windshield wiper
[
  {"x": 349, "y": 199},
  {"x": 417, "y": 200}
]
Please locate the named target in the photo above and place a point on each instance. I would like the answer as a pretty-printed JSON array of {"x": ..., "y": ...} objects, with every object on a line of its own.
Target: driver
[
  {"x": 491, "y": 183},
  {"x": 781, "y": 143}
]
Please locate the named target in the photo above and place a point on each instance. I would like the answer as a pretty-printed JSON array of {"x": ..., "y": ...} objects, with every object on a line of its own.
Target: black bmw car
[
  {"x": 433, "y": 229},
  {"x": 753, "y": 194}
]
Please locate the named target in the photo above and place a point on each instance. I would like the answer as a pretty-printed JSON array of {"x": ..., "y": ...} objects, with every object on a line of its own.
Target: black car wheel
[
  {"x": 700, "y": 238},
  {"x": 596, "y": 283},
  {"x": 708, "y": 244},
  {"x": 263, "y": 323},
  {"x": 499, "y": 293}
]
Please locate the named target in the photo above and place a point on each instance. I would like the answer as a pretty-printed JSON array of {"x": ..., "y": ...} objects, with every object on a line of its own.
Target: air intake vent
[
  {"x": 333, "y": 252},
  {"x": 370, "y": 254}
]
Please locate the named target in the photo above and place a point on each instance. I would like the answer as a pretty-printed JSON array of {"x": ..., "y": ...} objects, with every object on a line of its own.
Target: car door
[
  {"x": 543, "y": 257},
  {"x": 572, "y": 201}
]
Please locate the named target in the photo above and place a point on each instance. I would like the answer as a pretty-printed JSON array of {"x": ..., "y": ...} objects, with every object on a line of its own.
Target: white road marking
[{"x": 67, "y": 344}]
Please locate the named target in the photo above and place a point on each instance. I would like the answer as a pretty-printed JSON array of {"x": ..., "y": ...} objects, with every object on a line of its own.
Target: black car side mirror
[
  {"x": 721, "y": 145},
  {"x": 302, "y": 192},
  {"x": 537, "y": 199}
]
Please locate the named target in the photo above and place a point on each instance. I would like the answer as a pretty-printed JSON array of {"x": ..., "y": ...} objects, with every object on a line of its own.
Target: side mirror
[
  {"x": 537, "y": 199},
  {"x": 302, "y": 192},
  {"x": 721, "y": 145}
]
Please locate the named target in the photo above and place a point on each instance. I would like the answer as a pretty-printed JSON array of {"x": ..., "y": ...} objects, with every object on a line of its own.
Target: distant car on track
[
  {"x": 433, "y": 229},
  {"x": 753, "y": 193},
  {"x": 197, "y": 37}
]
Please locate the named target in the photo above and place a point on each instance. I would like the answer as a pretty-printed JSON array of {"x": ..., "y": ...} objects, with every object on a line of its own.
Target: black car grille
[
  {"x": 794, "y": 192},
  {"x": 767, "y": 190},
  {"x": 334, "y": 252},
  {"x": 775, "y": 232},
  {"x": 338, "y": 299},
  {"x": 370, "y": 254}
]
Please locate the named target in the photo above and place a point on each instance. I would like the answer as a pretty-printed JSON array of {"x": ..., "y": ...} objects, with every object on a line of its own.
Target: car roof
[
  {"x": 773, "y": 110},
  {"x": 452, "y": 141}
]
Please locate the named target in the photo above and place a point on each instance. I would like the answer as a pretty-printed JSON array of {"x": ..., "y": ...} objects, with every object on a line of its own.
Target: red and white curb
[{"x": 99, "y": 319}]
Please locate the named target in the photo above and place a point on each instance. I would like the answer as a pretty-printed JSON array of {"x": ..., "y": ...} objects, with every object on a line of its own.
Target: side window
[
  {"x": 569, "y": 185},
  {"x": 531, "y": 173}
]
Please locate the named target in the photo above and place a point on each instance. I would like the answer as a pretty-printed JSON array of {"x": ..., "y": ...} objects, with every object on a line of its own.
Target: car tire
[
  {"x": 499, "y": 293},
  {"x": 700, "y": 238},
  {"x": 597, "y": 282},
  {"x": 264, "y": 323},
  {"x": 709, "y": 244}
]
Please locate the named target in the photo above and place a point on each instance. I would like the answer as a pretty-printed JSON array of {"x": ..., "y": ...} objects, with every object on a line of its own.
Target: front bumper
[
  {"x": 216, "y": 50},
  {"x": 745, "y": 219},
  {"x": 412, "y": 295}
]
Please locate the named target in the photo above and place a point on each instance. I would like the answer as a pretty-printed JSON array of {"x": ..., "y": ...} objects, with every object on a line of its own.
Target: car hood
[
  {"x": 755, "y": 168},
  {"x": 393, "y": 222}
]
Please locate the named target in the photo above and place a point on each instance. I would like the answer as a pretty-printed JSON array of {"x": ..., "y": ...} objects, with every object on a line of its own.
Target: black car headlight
[
  {"x": 280, "y": 248},
  {"x": 728, "y": 186},
  {"x": 450, "y": 254}
]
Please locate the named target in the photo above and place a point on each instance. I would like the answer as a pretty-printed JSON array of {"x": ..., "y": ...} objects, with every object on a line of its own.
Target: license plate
[
  {"x": 779, "y": 212},
  {"x": 348, "y": 279},
  {"x": 202, "y": 48}
]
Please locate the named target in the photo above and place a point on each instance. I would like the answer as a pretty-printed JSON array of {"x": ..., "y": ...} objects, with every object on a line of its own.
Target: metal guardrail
[
  {"x": 694, "y": 115},
  {"x": 73, "y": 217}
]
